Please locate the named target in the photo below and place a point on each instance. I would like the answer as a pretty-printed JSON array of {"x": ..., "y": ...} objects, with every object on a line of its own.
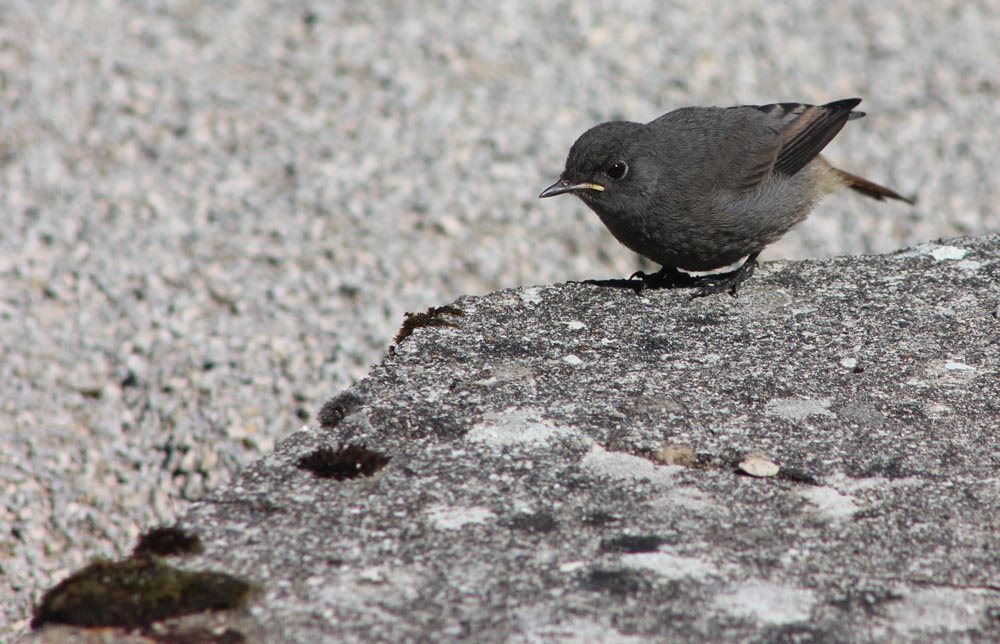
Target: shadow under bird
[{"x": 700, "y": 188}]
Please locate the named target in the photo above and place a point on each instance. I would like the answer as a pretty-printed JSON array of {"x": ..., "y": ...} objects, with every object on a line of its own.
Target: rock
[{"x": 518, "y": 502}]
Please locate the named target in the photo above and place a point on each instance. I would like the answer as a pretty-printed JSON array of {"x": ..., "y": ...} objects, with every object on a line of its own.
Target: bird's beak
[{"x": 565, "y": 185}]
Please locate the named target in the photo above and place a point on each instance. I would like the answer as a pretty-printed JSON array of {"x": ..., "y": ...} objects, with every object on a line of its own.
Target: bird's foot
[
  {"x": 731, "y": 281},
  {"x": 666, "y": 277}
]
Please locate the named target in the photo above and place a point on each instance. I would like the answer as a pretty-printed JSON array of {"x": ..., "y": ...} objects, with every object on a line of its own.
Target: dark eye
[{"x": 617, "y": 170}]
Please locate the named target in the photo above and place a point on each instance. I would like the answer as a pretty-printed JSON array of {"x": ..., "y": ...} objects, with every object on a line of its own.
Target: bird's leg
[
  {"x": 666, "y": 277},
  {"x": 731, "y": 281}
]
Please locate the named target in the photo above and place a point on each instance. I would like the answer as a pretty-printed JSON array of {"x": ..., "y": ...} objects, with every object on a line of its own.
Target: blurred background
[{"x": 214, "y": 215}]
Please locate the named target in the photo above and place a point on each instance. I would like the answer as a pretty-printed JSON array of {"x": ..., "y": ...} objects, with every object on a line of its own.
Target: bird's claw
[
  {"x": 666, "y": 277},
  {"x": 731, "y": 281},
  {"x": 670, "y": 277}
]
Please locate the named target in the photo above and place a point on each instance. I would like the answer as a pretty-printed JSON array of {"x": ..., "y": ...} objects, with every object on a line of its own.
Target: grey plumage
[{"x": 702, "y": 187}]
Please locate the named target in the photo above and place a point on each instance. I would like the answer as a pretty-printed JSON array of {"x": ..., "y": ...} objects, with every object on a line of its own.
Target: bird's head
[{"x": 603, "y": 167}]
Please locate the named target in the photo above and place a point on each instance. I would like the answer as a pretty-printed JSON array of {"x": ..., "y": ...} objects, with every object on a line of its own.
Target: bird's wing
[{"x": 801, "y": 132}]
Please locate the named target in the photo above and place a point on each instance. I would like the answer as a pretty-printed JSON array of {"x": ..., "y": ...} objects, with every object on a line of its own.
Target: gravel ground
[{"x": 215, "y": 214}]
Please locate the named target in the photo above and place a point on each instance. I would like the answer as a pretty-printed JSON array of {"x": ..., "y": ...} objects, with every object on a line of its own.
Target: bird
[{"x": 700, "y": 188}]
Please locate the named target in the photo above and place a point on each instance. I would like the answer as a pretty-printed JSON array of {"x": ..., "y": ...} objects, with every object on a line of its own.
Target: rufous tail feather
[{"x": 870, "y": 189}]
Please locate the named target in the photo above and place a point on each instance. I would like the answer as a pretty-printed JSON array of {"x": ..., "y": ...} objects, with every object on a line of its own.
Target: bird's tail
[{"x": 870, "y": 189}]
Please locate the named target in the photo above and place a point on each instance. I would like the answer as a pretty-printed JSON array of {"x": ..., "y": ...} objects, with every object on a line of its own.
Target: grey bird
[{"x": 700, "y": 188}]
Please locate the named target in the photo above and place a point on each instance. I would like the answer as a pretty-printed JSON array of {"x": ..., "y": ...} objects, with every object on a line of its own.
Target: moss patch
[
  {"x": 134, "y": 593},
  {"x": 343, "y": 463},
  {"x": 338, "y": 408},
  {"x": 433, "y": 317},
  {"x": 165, "y": 541},
  {"x": 633, "y": 543}
]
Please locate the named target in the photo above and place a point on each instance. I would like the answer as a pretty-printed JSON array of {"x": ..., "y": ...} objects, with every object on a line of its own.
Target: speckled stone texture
[{"x": 523, "y": 502}]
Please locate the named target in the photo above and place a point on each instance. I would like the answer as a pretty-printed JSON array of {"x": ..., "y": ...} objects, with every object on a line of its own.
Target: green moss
[{"x": 136, "y": 592}]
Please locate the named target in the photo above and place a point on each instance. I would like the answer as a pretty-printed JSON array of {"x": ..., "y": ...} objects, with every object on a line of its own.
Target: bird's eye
[{"x": 617, "y": 170}]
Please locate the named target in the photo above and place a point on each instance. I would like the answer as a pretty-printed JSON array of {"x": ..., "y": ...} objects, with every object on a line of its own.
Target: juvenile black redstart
[{"x": 700, "y": 188}]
